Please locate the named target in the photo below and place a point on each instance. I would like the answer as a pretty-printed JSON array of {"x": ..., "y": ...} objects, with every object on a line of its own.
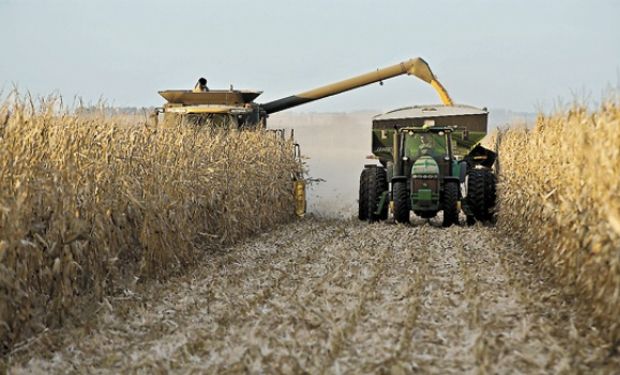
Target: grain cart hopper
[{"x": 430, "y": 158}]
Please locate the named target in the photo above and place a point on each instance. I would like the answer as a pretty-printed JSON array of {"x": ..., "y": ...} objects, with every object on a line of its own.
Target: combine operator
[{"x": 201, "y": 85}]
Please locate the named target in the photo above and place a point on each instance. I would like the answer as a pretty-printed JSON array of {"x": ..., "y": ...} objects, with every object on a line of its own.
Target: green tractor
[{"x": 430, "y": 161}]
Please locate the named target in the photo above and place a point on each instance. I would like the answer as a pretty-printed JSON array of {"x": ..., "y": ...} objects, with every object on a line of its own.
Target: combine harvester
[{"x": 429, "y": 156}]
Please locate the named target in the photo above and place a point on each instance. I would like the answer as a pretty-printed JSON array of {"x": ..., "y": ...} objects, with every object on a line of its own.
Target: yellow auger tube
[{"x": 416, "y": 67}]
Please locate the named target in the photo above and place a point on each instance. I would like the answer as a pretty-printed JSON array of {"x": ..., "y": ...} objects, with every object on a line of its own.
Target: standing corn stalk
[{"x": 90, "y": 202}]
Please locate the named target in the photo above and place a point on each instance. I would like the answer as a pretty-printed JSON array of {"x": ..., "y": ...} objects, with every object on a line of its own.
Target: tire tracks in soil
[
  {"x": 318, "y": 314},
  {"x": 228, "y": 326},
  {"x": 253, "y": 328},
  {"x": 340, "y": 337}
]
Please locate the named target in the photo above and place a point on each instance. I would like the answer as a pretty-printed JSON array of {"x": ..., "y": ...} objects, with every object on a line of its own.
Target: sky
[{"x": 517, "y": 55}]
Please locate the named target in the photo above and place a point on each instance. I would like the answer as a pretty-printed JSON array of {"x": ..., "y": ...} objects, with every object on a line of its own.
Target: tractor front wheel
[
  {"x": 450, "y": 204},
  {"x": 401, "y": 201}
]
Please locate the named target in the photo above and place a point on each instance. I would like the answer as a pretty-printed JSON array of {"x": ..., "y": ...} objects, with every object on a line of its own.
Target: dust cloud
[{"x": 336, "y": 146}]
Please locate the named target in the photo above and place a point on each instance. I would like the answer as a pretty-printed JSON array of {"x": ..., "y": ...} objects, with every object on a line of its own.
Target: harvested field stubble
[
  {"x": 340, "y": 296},
  {"x": 89, "y": 204},
  {"x": 560, "y": 193}
]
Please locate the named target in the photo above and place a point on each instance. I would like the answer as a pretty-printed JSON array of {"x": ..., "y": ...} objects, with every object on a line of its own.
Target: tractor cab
[
  {"x": 430, "y": 142},
  {"x": 427, "y": 165}
]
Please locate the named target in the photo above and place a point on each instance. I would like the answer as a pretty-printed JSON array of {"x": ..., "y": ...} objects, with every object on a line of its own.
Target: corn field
[
  {"x": 90, "y": 204},
  {"x": 560, "y": 194}
]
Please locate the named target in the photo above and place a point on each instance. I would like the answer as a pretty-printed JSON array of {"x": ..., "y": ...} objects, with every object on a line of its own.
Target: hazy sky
[{"x": 519, "y": 55}]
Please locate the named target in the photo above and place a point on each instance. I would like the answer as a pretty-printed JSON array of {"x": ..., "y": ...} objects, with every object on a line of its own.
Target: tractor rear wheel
[
  {"x": 481, "y": 193},
  {"x": 362, "y": 211},
  {"x": 450, "y": 204},
  {"x": 401, "y": 201},
  {"x": 376, "y": 185},
  {"x": 490, "y": 193}
]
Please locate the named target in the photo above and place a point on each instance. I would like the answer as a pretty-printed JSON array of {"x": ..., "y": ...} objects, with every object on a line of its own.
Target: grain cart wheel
[
  {"x": 475, "y": 193},
  {"x": 450, "y": 204},
  {"x": 490, "y": 193},
  {"x": 481, "y": 193},
  {"x": 376, "y": 185},
  {"x": 401, "y": 201},
  {"x": 362, "y": 210}
]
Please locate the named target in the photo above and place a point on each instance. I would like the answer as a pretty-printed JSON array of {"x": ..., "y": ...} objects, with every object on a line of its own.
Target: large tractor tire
[
  {"x": 401, "y": 201},
  {"x": 376, "y": 185},
  {"x": 450, "y": 203},
  {"x": 481, "y": 193},
  {"x": 490, "y": 191},
  {"x": 362, "y": 210}
]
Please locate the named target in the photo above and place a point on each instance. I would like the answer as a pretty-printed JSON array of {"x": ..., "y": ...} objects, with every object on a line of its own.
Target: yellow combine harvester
[{"x": 236, "y": 109}]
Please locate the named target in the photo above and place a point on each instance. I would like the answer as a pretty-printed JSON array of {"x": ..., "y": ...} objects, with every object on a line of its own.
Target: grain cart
[{"x": 423, "y": 173}]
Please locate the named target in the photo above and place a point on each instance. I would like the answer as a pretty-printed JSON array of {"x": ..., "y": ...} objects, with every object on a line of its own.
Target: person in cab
[{"x": 201, "y": 85}]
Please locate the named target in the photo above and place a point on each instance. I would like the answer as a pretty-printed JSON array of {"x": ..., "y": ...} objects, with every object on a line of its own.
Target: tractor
[
  {"x": 429, "y": 161},
  {"x": 424, "y": 177}
]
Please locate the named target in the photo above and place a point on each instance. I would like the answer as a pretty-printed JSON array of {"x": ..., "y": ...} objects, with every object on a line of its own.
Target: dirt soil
[{"x": 339, "y": 296}]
